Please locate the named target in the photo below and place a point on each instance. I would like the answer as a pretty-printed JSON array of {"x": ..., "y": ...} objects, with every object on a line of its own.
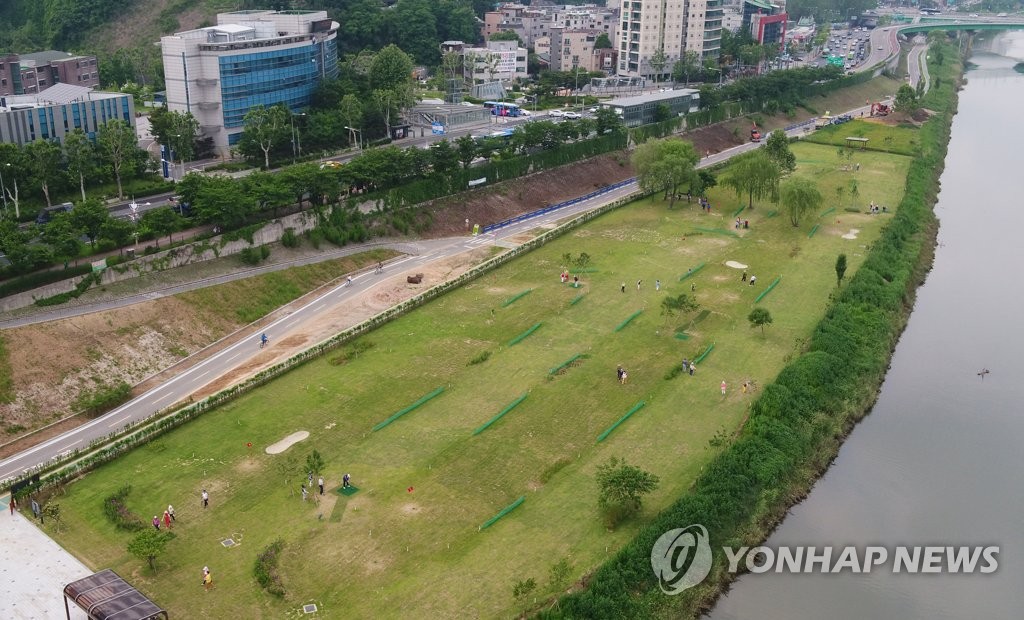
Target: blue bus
[{"x": 499, "y": 108}]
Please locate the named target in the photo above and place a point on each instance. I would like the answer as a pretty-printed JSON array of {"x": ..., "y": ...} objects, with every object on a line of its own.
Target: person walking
[
  {"x": 752, "y": 280},
  {"x": 623, "y": 287},
  {"x": 13, "y": 504},
  {"x": 263, "y": 340},
  {"x": 304, "y": 492},
  {"x": 693, "y": 368},
  {"x": 743, "y": 278},
  {"x": 156, "y": 522},
  {"x": 208, "y": 580},
  {"x": 321, "y": 483},
  {"x": 638, "y": 285},
  {"x": 167, "y": 520},
  {"x": 170, "y": 511},
  {"x": 723, "y": 387},
  {"x": 206, "y": 498},
  {"x": 657, "y": 285}
]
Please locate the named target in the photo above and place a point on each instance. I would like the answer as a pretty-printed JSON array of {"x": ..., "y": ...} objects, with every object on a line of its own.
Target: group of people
[
  {"x": 168, "y": 518},
  {"x": 877, "y": 209},
  {"x": 564, "y": 277},
  {"x": 705, "y": 205},
  {"x": 689, "y": 367},
  {"x": 743, "y": 278},
  {"x": 742, "y": 223}
]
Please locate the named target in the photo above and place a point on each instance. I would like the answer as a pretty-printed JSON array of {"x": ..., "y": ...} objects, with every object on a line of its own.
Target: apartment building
[
  {"x": 249, "y": 58},
  {"x": 532, "y": 23},
  {"x": 27, "y": 74},
  {"x": 654, "y": 34},
  {"x": 574, "y": 47}
]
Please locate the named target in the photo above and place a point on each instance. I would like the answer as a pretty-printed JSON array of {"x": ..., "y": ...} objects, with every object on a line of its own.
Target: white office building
[{"x": 249, "y": 58}]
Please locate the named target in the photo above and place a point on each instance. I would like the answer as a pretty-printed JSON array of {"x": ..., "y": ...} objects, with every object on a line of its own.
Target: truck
[
  {"x": 755, "y": 134},
  {"x": 880, "y": 109}
]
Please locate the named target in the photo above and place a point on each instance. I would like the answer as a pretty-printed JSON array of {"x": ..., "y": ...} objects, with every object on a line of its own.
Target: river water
[{"x": 939, "y": 461}]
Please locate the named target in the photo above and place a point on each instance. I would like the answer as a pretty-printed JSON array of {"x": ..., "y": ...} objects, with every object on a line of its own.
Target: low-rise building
[
  {"x": 26, "y": 74},
  {"x": 500, "y": 61},
  {"x": 53, "y": 114},
  {"x": 643, "y": 109}
]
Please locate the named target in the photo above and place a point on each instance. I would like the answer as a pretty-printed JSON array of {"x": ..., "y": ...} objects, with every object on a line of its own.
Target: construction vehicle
[
  {"x": 880, "y": 109},
  {"x": 824, "y": 120},
  {"x": 755, "y": 134}
]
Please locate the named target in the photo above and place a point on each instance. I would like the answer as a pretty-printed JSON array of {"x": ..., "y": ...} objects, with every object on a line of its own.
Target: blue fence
[{"x": 526, "y": 216}]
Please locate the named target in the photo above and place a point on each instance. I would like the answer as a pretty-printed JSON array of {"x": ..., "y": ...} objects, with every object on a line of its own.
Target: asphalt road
[{"x": 180, "y": 387}]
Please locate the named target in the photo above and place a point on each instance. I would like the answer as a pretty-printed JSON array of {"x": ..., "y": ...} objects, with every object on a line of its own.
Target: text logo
[{"x": 681, "y": 558}]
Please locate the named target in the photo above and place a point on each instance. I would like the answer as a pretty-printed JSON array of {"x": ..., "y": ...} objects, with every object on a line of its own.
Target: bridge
[{"x": 929, "y": 23}]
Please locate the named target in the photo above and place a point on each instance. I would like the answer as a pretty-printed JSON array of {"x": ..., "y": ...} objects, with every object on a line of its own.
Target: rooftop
[
  {"x": 648, "y": 98},
  {"x": 55, "y": 95},
  {"x": 47, "y": 56}
]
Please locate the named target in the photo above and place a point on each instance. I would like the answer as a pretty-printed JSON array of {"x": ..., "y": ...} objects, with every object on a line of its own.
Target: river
[{"x": 939, "y": 460}]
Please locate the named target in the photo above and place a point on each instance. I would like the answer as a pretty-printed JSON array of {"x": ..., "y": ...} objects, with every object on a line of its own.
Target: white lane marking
[
  {"x": 117, "y": 423},
  {"x": 233, "y": 356},
  {"x": 164, "y": 397}
]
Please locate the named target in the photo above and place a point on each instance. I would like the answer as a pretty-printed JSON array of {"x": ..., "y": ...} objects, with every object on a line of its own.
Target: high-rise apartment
[
  {"x": 654, "y": 34},
  {"x": 249, "y": 58}
]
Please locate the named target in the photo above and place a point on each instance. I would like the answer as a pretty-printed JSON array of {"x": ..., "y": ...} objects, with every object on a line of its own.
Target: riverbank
[{"x": 797, "y": 425}]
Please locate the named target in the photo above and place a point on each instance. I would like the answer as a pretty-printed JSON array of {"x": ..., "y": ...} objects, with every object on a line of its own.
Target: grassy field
[
  {"x": 902, "y": 140},
  {"x": 408, "y": 540}
]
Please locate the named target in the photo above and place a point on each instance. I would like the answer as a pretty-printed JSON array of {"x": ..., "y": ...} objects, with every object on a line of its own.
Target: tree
[
  {"x": 840, "y": 269},
  {"x": 118, "y": 142},
  {"x": 523, "y": 588},
  {"x": 218, "y": 202},
  {"x": 150, "y": 544},
  {"x": 800, "y": 196},
  {"x": 264, "y": 127},
  {"x": 603, "y": 42},
  {"x": 560, "y": 572},
  {"x": 315, "y": 463},
  {"x": 687, "y": 64},
  {"x": 162, "y": 221},
  {"x": 80, "y": 153},
  {"x": 118, "y": 231},
  {"x": 607, "y": 121},
  {"x": 89, "y": 216},
  {"x": 415, "y": 25},
  {"x": 444, "y": 158},
  {"x": 665, "y": 165},
  {"x": 391, "y": 67},
  {"x": 13, "y": 166},
  {"x": 658, "y": 61},
  {"x": 465, "y": 146},
  {"x": 753, "y": 174},
  {"x": 777, "y": 149},
  {"x": 621, "y": 488},
  {"x": 62, "y": 238},
  {"x": 854, "y": 191},
  {"x": 906, "y": 99},
  {"x": 44, "y": 162},
  {"x": 508, "y": 35},
  {"x": 682, "y": 304},
  {"x": 759, "y": 317},
  {"x": 352, "y": 116},
  {"x": 182, "y": 137}
]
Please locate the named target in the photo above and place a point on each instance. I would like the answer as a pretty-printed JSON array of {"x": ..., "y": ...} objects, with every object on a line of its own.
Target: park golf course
[{"x": 409, "y": 540}]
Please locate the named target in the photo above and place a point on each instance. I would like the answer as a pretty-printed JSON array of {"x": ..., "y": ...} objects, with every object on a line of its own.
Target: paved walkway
[{"x": 33, "y": 570}]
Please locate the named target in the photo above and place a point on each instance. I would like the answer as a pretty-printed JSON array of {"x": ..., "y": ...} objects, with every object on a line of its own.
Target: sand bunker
[
  {"x": 852, "y": 234},
  {"x": 734, "y": 264},
  {"x": 287, "y": 442}
]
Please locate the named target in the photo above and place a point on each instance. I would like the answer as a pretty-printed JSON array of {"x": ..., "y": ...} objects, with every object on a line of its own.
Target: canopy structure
[{"x": 105, "y": 596}]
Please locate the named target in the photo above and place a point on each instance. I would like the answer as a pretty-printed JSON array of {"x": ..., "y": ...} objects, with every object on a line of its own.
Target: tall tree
[
  {"x": 776, "y": 147},
  {"x": 416, "y": 28},
  {"x": 13, "y": 166},
  {"x": 906, "y": 99},
  {"x": 352, "y": 115},
  {"x": 44, "y": 161},
  {"x": 800, "y": 196},
  {"x": 391, "y": 68},
  {"x": 687, "y": 65},
  {"x": 665, "y": 165},
  {"x": 759, "y": 317},
  {"x": 62, "y": 238},
  {"x": 150, "y": 544},
  {"x": 162, "y": 221},
  {"x": 89, "y": 216},
  {"x": 118, "y": 142},
  {"x": 118, "y": 231},
  {"x": 658, "y": 61},
  {"x": 755, "y": 175},
  {"x": 80, "y": 153},
  {"x": 466, "y": 148},
  {"x": 264, "y": 127},
  {"x": 622, "y": 487},
  {"x": 840, "y": 268}
]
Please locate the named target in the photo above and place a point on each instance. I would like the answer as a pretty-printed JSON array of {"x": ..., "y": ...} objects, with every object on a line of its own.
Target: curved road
[{"x": 189, "y": 382}]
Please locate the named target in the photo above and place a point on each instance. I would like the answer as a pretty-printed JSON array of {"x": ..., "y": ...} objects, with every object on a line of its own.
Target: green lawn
[
  {"x": 408, "y": 541},
  {"x": 902, "y": 140}
]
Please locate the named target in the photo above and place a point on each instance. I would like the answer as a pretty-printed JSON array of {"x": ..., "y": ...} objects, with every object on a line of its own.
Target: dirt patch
[
  {"x": 412, "y": 508},
  {"x": 287, "y": 442}
]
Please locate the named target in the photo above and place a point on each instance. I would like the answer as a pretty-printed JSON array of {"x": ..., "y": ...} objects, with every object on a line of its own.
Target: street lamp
[
  {"x": 360, "y": 132},
  {"x": 134, "y": 207}
]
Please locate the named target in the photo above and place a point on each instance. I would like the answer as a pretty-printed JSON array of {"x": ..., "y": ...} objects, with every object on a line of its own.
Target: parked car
[
  {"x": 556, "y": 113},
  {"x": 593, "y": 109},
  {"x": 572, "y": 115},
  {"x": 45, "y": 215}
]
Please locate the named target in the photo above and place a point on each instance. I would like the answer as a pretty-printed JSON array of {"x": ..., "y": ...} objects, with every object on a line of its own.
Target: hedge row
[
  {"x": 67, "y": 466},
  {"x": 796, "y": 424}
]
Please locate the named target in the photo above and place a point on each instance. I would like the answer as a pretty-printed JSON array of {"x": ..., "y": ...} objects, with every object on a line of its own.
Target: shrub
[
  {"x": 289, "y": 239},
  {"x": 265, "y": 569},
  {"x": 251, "y": 255},
  {"x": 482, "y": 357},
  {"x": 117, "y": 512},
  {"x": 104, "y": 398}
]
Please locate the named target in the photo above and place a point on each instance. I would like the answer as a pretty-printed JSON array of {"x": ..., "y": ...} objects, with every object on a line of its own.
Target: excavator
[
  {"x": 880, "y": 109},
  {"x": 755, "y": 134}
]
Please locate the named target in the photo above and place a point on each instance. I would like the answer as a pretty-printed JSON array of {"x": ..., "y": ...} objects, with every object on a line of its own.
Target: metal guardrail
[{"x": 555, "y": 207}]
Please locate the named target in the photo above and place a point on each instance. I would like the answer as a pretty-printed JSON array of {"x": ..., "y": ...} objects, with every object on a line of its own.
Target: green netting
[
  {"x": 772, "y": 213},
  {"x": 565, "y": 363},
  {"x": 813, "y": 230},
  {"x": 514, "y": 298},
  {"x": 700, "y": 358},
  {"x": 824, "y": 213},
  {"x": 577, "y": 299},
  {"x": 504, "y": 511},
  {"x": 682, "y": 336},
  {"x": 768, "y": 290},
  {"x": 738, "y": 211},
  {"x": 636, "y": 407},
  {"x": 718, "y": 231},
  {"x": 523, "y": 335},
  {"x": 691, "y": 271},
  {"x": 628, "y": 319},
  {"x": 507, "y": 408},
  {"x": 402, "y": 412}
]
